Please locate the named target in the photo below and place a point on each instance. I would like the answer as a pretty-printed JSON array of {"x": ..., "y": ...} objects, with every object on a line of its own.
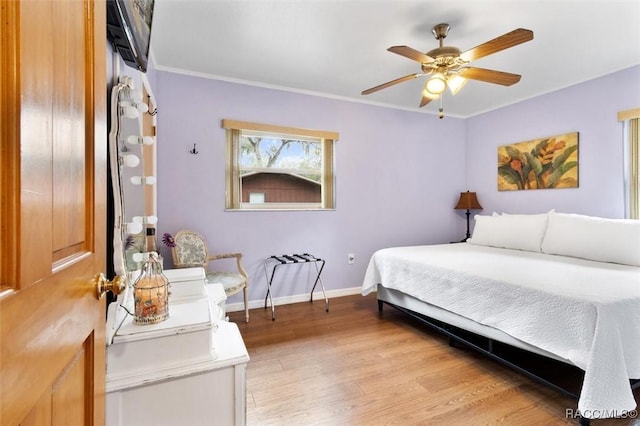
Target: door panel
[
  {"x": 40, "y": 414},
  {"x": 36, "y": 70},
  {"x": 68, "y": 134},
  {"x": 52, "y": 211},
  {"x": 69, "y": 391}
]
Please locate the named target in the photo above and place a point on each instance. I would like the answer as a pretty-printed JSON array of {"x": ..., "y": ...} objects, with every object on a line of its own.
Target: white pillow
[
  {"x": 513, "y": 231},
  {"x": 593, "y": 238}
]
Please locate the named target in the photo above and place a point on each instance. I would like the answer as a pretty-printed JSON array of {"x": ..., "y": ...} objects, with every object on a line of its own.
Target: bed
[{"x": 564, "y": 286}]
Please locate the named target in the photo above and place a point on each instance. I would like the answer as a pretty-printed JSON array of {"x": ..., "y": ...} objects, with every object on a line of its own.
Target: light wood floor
[{"x": 352, "y": 366}]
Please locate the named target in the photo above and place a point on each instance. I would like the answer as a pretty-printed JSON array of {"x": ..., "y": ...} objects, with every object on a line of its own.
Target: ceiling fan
[{"x": 448, "y": 66}]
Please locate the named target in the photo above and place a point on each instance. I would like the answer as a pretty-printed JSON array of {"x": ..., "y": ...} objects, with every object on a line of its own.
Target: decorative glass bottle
[
  {"x": 150, "y": 241},
  {"x": 151, "y": 293}
]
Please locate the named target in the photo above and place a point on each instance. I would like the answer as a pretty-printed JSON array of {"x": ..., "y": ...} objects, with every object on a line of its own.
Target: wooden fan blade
[
  {"x": 490, "y": 76},
  {"x": 505, "y": 41},
  {"x": 411, "y": 53},
  {"x": 391, "y": 83},
  {"x": 428, "y": 96},
  {"x": 425, "y": 100}
]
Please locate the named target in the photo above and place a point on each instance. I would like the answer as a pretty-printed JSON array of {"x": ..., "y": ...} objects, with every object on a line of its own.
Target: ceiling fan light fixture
[
  {"x": 448, "y": 65},
  {"x": 436, "y": 84},
  {"x": 455, "y": 83},
  {"x": 427, "y": 94}
]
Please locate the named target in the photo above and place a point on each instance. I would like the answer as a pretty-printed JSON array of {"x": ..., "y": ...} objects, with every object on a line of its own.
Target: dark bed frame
[{"x": 494, "y": 350}]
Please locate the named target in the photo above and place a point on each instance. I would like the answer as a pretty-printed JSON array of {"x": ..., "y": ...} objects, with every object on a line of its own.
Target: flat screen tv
[{"x": 129, "y": 30}]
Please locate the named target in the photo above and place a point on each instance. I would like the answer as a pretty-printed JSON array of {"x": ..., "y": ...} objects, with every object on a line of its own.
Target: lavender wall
[
  {"x": 589, "y": 108},
  {"x": 398, "y": 177},
  {"x": 398, "y": 172}
]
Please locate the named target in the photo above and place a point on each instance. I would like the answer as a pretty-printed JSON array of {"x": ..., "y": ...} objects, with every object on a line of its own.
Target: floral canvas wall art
[{"x": 550, "y": 162}]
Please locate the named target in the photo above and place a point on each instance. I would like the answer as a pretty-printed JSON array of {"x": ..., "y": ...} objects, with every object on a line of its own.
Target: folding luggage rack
[{"x": 292, "y": 259}]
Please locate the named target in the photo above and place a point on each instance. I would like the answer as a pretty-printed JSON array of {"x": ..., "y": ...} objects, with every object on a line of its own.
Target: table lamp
[{"x": 468, "y": 201}]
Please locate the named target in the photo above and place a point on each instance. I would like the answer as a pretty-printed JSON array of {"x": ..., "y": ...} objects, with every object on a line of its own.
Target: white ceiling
[{"x": 338, "y": 48}]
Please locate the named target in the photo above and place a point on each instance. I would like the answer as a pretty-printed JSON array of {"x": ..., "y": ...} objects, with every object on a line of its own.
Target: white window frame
[
  {"x": 631, "y": 120},
  {"x": 234, "y": 129}
]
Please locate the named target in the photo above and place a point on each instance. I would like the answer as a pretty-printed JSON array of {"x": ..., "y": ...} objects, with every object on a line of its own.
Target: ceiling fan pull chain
[{"x": 441, "y": 110}]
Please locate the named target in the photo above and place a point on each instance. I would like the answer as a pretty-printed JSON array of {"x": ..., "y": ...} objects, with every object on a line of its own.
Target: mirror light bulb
[
  {"x": 140, "y": 257},
  {"x": 130, "y": 160},
  {"x": 151, "y": 220},
  {"x": 127, "y": 81},
  {"x": 129, "y": 111},
  {"x": 140, "y": 180},
  {"x": 138, "y": 140},
  {"x": 134, "y": 228},
  {"x": 132, "y": 109}
]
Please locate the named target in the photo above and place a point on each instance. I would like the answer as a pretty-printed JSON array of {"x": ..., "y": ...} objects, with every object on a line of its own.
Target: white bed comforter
[{"x": 584, "y": 311}]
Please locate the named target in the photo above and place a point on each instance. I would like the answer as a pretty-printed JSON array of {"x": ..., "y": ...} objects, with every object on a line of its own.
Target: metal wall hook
[
  {"x": 155, "y": 110},
  {"x": 193, "y": 151}
]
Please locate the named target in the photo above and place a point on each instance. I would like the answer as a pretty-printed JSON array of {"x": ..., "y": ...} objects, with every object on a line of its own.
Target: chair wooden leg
[{"x": 246, "y": 304}]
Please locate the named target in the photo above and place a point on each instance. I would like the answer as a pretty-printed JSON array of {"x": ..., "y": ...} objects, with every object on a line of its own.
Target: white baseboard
[{"x": 297, "y": 298}]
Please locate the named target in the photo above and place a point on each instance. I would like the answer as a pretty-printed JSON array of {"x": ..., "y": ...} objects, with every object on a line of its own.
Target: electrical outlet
[{"x": 351, "y": 258}]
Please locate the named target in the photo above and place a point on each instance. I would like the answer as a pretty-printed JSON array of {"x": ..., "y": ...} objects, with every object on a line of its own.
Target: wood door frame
[{"x": 10, "y": 158}]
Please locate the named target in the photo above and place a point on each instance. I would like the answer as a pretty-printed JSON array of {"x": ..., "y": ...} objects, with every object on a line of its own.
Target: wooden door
[{"x": 52, "y": 211}]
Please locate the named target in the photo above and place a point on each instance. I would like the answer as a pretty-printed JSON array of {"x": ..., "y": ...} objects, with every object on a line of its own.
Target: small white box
[{"x": 187, "y": 283}]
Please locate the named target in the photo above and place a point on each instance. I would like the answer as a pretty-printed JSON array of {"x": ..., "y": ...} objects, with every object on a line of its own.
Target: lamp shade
[
  {"x": 436, "y": 84},
  {"x": 468, "y": 201}
]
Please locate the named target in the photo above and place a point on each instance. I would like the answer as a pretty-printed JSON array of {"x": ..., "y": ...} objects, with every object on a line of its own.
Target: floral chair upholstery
[{"x": 191, "y": 251}]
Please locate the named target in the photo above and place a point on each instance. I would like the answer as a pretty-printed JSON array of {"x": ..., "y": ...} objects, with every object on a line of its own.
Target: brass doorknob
[{"x": 103, "y": 285}]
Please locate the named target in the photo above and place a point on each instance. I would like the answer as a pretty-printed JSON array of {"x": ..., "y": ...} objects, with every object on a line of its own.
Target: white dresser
[{"x": 187, "y": 370}]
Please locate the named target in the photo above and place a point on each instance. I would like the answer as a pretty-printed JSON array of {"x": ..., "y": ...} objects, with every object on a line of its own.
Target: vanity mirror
[{"x": 131, "y": 156}]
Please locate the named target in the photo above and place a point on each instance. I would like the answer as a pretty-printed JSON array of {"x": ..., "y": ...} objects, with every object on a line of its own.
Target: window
[
  {"x": 631, "y": 119},
  {"x": 279, "y": 168}
]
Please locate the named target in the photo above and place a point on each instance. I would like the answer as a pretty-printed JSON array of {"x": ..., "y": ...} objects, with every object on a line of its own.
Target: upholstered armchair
[{"x": 191, "y": 251}]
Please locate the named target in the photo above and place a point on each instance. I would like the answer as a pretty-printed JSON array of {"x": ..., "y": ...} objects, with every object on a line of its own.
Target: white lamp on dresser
[{"x": 187, "y": 370}]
